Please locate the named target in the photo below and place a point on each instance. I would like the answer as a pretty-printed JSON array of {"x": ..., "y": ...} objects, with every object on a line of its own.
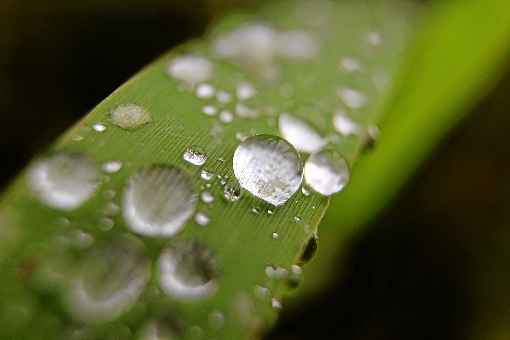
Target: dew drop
[
  {"x": 300, "y": 134},
  {"x": 245, "y": 91},
  {"x": 232, "y": 192},
  {"x": 130, "y": 116},
  {"x": 270, "y": 211},
  {"x": 206, "y": 175},
  {"x": 268, "y": 167},
  {"x": 112, "y": 167},
  {"x": 276, "y": 273},
  {"x": 226, "y": 116},
  {"x": 187, "y": 271},
  {"x": 275, "y": 236},
  {"x": 255, "y": 210},
  {"x": 262, "y": 292},
  {"x": 295, "y": 276},
  {"x": 195, "y": 156},
  {"x": 276, "y": 304},
  {"x": 374, "y": 38},
  {"x": 158, "y": 201},
  {"x": 207, "y": 197},
  {"x": 296, "y": 45},
  {"x": 297, "y": 219},
  {"x": 223, "y": 97},
  {"x": 305, "y": 191},
  {"x": 353, "y": 99},
  {"x": 326, "y": 172},
  {"x": 209, "y": 110},
  {"x": 345, "y": 125},
  {"x": 63, "y": 181},
  {"x": 202, "y": 219},
  {"x": 99, "y": 127},
  {"x": 205, "y": 91},
  {"x": 245, "y": 111},
  {"x": 350, "y": 64},
  {"x": 109, "y": 281},
  {"x": 190, "y": 69}
]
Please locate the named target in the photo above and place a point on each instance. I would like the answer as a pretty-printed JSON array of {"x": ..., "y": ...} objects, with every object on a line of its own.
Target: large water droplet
[
  {"x": 187, "y": 271},
  {"x": 158, "y": 201},
  {"x": 190, "y": 69},
  {"x": 109, "y": 281},
  {"x": 300, "y": 134},
  {"x": 195, "y": 156},
  {"x": 130, "y": 116},
  {"x": 268, "y": 167},
  {"x": 326, "y": 172},
  {"x": 63, "y": 181}
]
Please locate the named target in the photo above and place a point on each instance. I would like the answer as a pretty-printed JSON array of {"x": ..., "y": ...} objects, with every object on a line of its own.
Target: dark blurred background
[{"x": 434, "y": 266}]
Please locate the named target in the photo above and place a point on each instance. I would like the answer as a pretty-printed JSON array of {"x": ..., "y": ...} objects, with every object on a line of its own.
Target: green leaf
[{"x": 52, "y": 250}]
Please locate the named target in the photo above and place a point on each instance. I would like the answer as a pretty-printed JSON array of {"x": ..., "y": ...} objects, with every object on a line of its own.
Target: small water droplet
[
  {"x": 112, "y": 166},
  {"x": 270, "y": 211},
  {"x": 345, "y": 125},
  {"x": 205, "y": 91},
  {"x": 232, "y": 192},
  {"x": 255, "y": 210},
  {"x": 109, "y": 281},
  {"x": 187, "y": 271},
  {"x": 276, "y": 304},
  {"x": 202, "y": 219},
  {"x": 190, "y": 69},
  {"x": 242, "y": 136},
  {"x": 195, "y": 156},
  {"x": 158, "y": 201},
  {"x": 268, "y": 167},
  {"x": 276, "y": 273},
  {"x": 300, "y": 134},
  {"x": 207, "y": 197},
  {"x": 245, "y": 111},
  {"x": 130, "y": 116},
  {"x": 226, "y": 116},
  {"x": 262, "y": 292},
  {"x": 106, "y": 224},
  {"x": 295, "y": 276},
  {"x": 352, "y": 98},
  {"x": 350, "y": 64},
  {"x": 206, "y": 175},
  {"x": 296, "y": 45},
  {"x": 374, "y": 38},
  {"x": 209, "y": 110},
  {"x": 99, "y": 127},
  {"x": 327, "y": 172},
  {"x": 309, "y": 250},
  {"x": 216, "y": 319},
  {"x": 160, "y": 330},
  {"x": 297, "y": 219},
  {"x": 223, "y": 97},
  {"x": 63, "y": 181},
  {"x": 245, "y": 91},
  {"x": 275, "y": 236},
  {"x": 305, "y": 191}
]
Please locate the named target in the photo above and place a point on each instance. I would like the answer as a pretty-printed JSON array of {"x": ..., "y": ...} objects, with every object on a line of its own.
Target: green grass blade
[{"x": 42, "y": 249}]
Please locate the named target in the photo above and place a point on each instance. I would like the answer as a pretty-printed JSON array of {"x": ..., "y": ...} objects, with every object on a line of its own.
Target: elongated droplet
[
  {"x": 327, "y": 172},
  {"x": 63, "y": 181},
  {"x": 188, "y": 271},
  {"x": 158, "y": 201},
  {"x": 194, "y": 156},
  {"x": 352, "y": 98},
  {"x": 190, "y": 69},
  {"x": 300, "y": 134},
  {"x": 109, "y": 281},
  {"x": 130, "y": 116},
  {"x": 112, "y": 167},
  {"x": 345, "y": 125},
  {"x": 269, "y": 168}
]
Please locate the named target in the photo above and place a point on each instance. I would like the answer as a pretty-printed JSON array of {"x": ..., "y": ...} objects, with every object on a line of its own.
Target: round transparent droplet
[
  {"x": 206, "y": 175},
  {"x": 226, "y": 116},
  {"x": 269, "y": 168},
  {"x": 327, "y": 172},
  {"x": 202, "y": 219},
  {"x": 99, "y": 127},
  {"x": 109, "y": 280},
  {"x": 63, "y": 181},
  {"x": 345, "y": 125},
  {"x": 352, "y": 98},
  {"x": 112, "y": 167},
  {"x": 300, "y": 134},
  {"x": 350, "y": 64},
  {"x": 195, "y": 156},
  {"x": 158, "y": 201},
  {"x": 276, "y": 304},
  {"x": 130, "y": 116},
  {"x": 190, "y": 69},
  {"x": 245, "y": 91},
  {"x": 207, "y": 197},
  {"x": 232, "y": 192},
  {"x": 187, "y": 271},
  {"x": 296, "y": 45},
  {"x": 275, "y": 236},
  {"x": 205, "y": 91},
  {"x": 209, "y": 110}
]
